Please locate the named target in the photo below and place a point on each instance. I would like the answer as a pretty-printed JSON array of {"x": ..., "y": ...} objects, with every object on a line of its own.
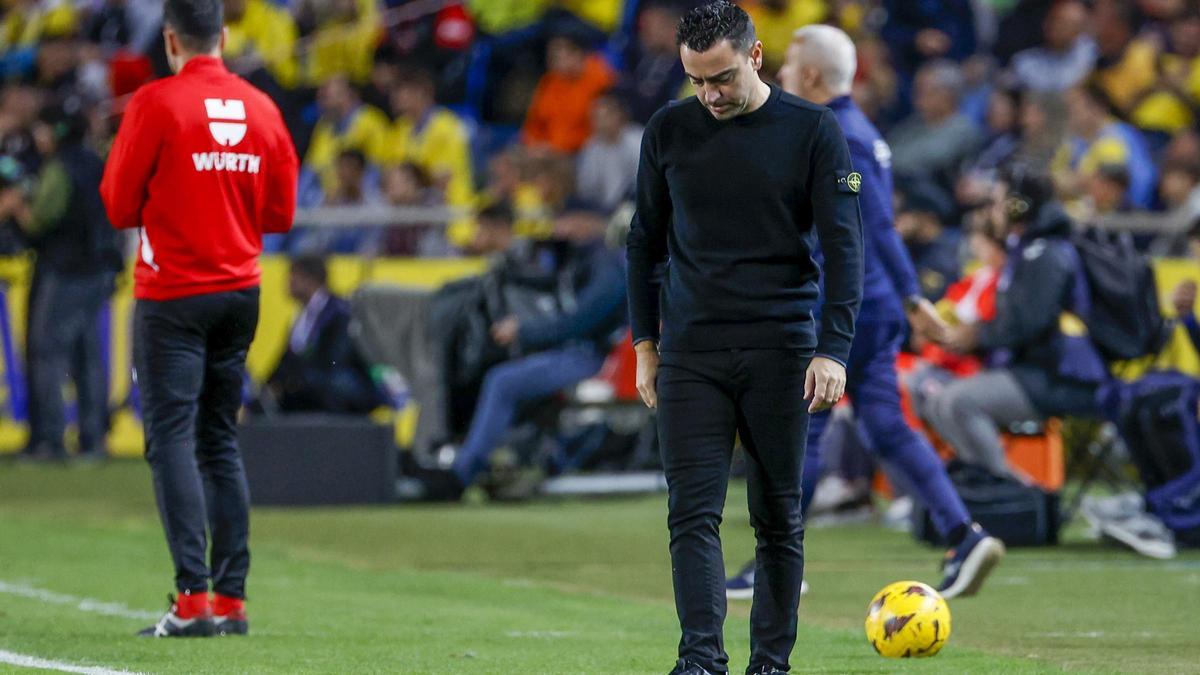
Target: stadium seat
[
  {"x": 1034, "y": 449},
  {"x": 617, "y": 380}
]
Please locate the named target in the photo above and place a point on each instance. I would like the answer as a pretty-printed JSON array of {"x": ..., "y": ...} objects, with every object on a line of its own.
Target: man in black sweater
[{"x": 736, "y": 187}]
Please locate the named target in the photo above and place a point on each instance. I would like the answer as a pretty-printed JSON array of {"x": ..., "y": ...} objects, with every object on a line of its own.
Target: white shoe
[
  {"x": 1123, "y": 519},
  {"x": 834, "y": 491},
  {"x": 898, "y": 515}
]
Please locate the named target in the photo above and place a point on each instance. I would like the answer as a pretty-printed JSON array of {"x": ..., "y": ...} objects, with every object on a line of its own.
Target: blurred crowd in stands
[
  {"x": 512, "y": 129},
  {"x": 461, "y": 104}
]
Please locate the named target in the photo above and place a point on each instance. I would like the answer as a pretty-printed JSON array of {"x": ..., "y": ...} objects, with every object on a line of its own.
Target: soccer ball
[{"x": 906, "y": 619}]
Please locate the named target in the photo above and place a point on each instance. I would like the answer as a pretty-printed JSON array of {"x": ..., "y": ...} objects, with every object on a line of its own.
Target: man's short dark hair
[
  {"x": 498, "y": 213},
  {"x": 67, "y": 118},
  {"x": 417, "y": 77},
  {"x": 1029, "y": 189},
  {"x": 705, "y": 26},
  {"x": 311, "y": 267},
  {"x": 922, "y": 195},
  {"x": 618, "y": 97},
  {"x": 1098, "y": 95},
  {"x": 198, "y": 23},
  {"x": 1114, "y": 173},
  {"x": 575, "y": 36},
  {"x": 354, "y": 155},
  {"x": 418, "y": 173}
]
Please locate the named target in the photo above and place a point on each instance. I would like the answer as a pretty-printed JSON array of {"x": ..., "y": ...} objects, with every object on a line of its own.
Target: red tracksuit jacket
[{"x": 204, "y": 165}]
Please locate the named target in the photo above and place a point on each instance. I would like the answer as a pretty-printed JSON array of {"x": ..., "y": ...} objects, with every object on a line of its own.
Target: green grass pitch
[{"x": 545, "y": 587}]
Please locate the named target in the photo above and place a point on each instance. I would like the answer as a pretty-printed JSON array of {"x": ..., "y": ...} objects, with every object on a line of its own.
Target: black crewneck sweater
[{"x": 736, "y": 209}]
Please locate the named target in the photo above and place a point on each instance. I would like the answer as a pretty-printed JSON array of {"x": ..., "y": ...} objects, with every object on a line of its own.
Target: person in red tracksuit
[{"x": 203, "y": 166}]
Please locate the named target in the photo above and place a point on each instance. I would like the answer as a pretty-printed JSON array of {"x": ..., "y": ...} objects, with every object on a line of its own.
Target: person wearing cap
[
  {"x": 202, "y": 166},
  {"x": 78, "y": 255},
  {"x": 925, "y": 210}
]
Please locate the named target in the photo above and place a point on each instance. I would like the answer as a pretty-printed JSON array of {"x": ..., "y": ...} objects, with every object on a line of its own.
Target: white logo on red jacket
[
  {"x": 229, "y": 115},
  {"x": 225, "y": 127}
]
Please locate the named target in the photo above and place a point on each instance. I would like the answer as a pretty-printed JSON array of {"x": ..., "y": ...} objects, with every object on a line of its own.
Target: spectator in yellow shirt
[
  {"x": 26, "y": 21},
  {"x": 603, "y": 14},
  {"x": 430, "y": 136},
  {"x": 776, "y": 20},
  {"x": 261, "y": 35},
  {"x": 436, "y": 140},
  {"x": 1131, "y": 72},
  {"x": 1098, "y": 139},
  {"x": 496, "y": 17},
  {"x": 345, "y": 124},
  {"x": 344, "y": 43}
]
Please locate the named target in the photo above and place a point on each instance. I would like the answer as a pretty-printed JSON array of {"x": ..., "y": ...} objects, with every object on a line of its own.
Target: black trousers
[
  {"x": 64, "y": 336},
  {"x": 190, "y": 355},
  {"x": 704, "y": 399}
]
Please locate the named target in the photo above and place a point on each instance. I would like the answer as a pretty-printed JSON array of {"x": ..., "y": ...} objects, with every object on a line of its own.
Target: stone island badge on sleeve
[{"x": 849, "y": 181}]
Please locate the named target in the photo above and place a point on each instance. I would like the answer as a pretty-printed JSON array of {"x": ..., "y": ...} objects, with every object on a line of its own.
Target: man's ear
[
  {"x": 224, "y": 37},
  {"x": 756, "y": 55},
  {"x": 814, "y": 75}
]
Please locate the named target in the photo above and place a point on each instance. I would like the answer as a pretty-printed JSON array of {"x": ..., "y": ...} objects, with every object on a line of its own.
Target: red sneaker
[{"x": 189, "y": 616}]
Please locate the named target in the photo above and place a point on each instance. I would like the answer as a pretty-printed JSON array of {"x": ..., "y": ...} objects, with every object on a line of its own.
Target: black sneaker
[
  {"x": 765, "y": 670},
  {"x": 430, "y": 485},
  {"x": 171, "y": 625},
  {"x": 968, "y": 564},
  {"x": 234, "y": 624},
  {"x": 90, "y": 458},
  {"x": 688, "y": 668},
  {"x": 43, "y": 453}
]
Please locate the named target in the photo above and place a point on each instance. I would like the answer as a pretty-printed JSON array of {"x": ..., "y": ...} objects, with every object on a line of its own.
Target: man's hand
[
  {"x": 647, "y": 372},
  {"x": 504, "y": 331},
  {"x": 1183, "y": 298},
  {"x": 961, "y": 339},
  {"x": 925, "y": 320},
  {"x": 824, "y": 383}
]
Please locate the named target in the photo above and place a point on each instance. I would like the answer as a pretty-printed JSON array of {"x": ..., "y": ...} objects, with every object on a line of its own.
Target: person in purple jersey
[{"x": 820, "y": 67}]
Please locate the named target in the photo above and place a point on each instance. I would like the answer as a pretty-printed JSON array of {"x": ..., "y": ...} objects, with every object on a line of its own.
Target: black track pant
[
  {"x": 190, "y": 355},
  {"x": 704, "y": 399}
]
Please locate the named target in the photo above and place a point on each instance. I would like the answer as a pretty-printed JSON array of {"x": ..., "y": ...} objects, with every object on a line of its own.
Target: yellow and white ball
[{"x": 908, "y": 619}]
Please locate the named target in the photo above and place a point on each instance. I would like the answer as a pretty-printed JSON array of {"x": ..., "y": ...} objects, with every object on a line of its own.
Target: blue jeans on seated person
[{"x": 508, "y": 385}]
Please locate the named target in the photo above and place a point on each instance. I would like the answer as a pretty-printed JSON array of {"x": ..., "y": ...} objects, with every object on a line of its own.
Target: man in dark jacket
[
  {"x": 322, "y": 370},
  {"x": 1046, "y": 364},
  {"x": 556, "y": 351},
  {"x": 78, "y": 256}
]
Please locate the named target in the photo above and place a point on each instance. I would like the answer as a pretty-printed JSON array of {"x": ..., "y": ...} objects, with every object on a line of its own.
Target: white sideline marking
[
  {"x": 539, "y": 634},
  {"x": 26, "y": 661},
  {"x": 1011, "y": 581},
  {"x": 1098, "y": 634},
  {"x": 81, "y": 604}
]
